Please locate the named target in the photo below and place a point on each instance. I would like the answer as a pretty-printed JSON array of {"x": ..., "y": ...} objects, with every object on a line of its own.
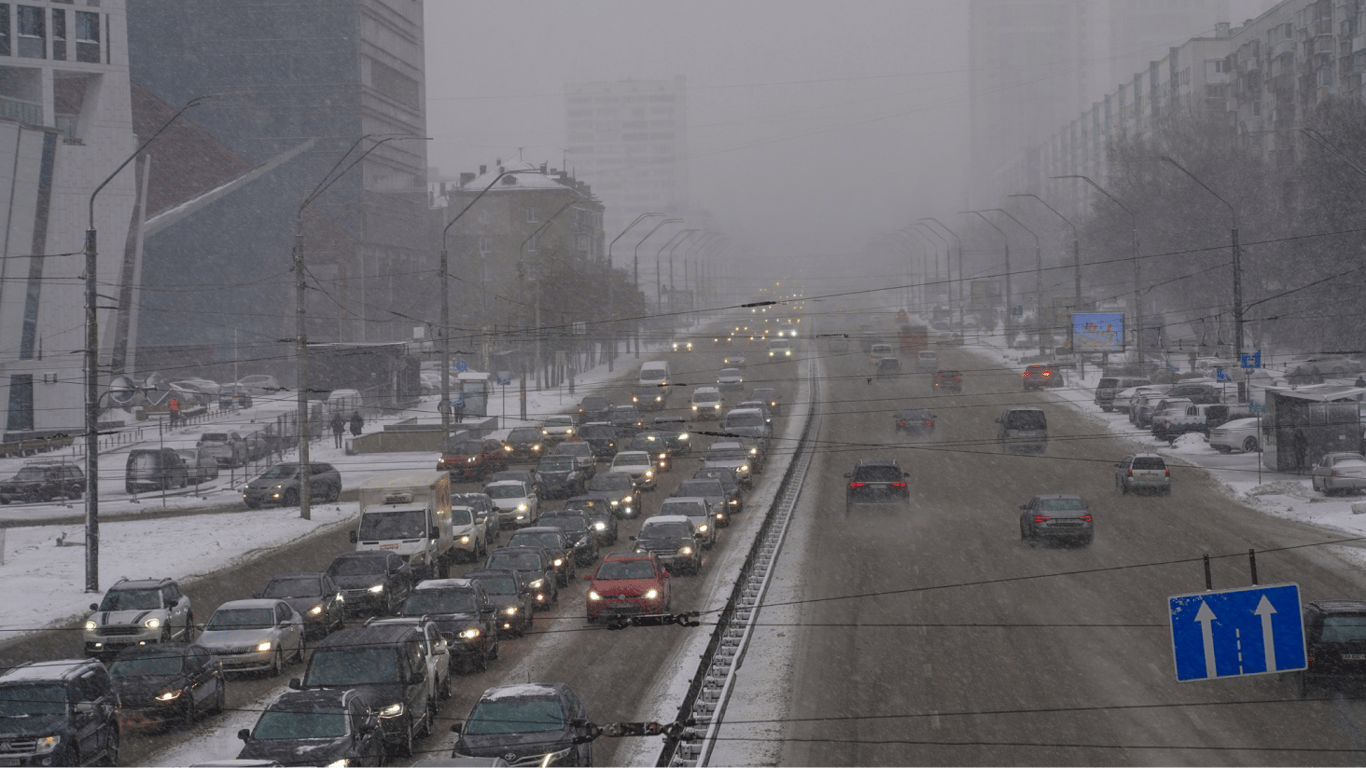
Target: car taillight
[
  {"x": 1042, "y": 518},
  {"x": 1046, "y": 374},
  {"x": 898, "y": 485},
  {"x": 1169, "y": 473},
  {"x": 1026, "y": 374},
  {"x": 1131, "y": 473},
  {"x": 1086, "y": 518},
  {"x": 856, "y": 484},
  {"x": 901, "y": 423},
  {"x": 929, "y": 423},
  {"x": 1311, "y": 657}
]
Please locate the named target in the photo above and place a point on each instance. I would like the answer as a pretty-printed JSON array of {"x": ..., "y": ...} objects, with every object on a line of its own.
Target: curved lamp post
[
  {"x": 927, "y": 229},
  {"x": 959, "y": 241},
  {"x": 635, "y": 271},
  {"x": 983, "y": 217},
  {"x": 1038, "y": 275}
]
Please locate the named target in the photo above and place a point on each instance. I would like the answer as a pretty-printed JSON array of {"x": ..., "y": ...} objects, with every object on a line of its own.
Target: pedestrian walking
[
  {"x": 173, "y": 408},
  {"x": 338, "y": 426},
  {"x": 357, "y": 423},
  {"x": 459, "y": 411}
]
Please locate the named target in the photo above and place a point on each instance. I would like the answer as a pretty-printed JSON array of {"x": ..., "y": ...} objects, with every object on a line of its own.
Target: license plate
[
  {"x": 620, "y": 604},
  {"x": 1354, "y": 657},
  {"x": 9, "y": 761}
]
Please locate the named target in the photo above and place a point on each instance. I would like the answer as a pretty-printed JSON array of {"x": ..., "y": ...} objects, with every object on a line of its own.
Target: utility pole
[
  {"x": 635, "y": 272},
  {"x": 1038, "y": 276},
  {"x": 1076, "y": 264},
  {"x": 1009, "y": 307}
]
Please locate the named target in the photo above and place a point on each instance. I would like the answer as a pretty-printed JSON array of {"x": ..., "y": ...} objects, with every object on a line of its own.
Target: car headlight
[
  {"x": 744, "y": 467},
  {"x": 555, "y": 757},
  {"x": 593, "y": 595},
  {"x": 559, "y": 561},
  {"x": 341, "y": 763},
  {"x": 263, "y": 646},
  {"x": 720, "y": 516},
  {"x": 469, "y": 634},
  {"x": 545, "y": 432},
  {"x": 702, "y": 528},
  {"x": 683, "y": 436},
  {"x": 507, "y": 448},
  {"x": 315, "y": 610},
  {"x": 569, "y": 431},
  {"x": 91, "y": 626},
  {"x": 46, "y": 744},
  {"x": 537, "y": 584},
  {"x": 685, "y": 551},
  {"x": 716, "y": 407},
  {"x": 377, "y": 588},
  {"x": 599, "y": 526},
  {"x": 465, "y": 539},
  {"x": 169, "y": 695},
  {"x": 626, "y": 500},
  {"x": 522, "y": 507},
  {"x": 652, "y": 594},
  {"x": 649, "y": 473},
  {"x": 393, "y": 710},
  {"x": 152, "y": 623},
  {"x": 641, "y": 550},
  {"x": 735, "y": 502},
  {"x": 469, "y": 460},
  {"x": 511, "y": 610}
]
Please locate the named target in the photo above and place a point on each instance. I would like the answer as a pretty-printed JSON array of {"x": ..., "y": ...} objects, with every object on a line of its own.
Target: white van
[
  {"x": 655, "y": 373},
  {"x": 780, "y": 348},
  {"x": 707, "y": 403}
]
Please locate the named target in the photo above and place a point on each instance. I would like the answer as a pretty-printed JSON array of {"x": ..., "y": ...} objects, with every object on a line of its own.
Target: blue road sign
[
  {"x": 461, "y": 366},
  {"x": 1017, "y": 310},
  {"x": 1221, "y": 375},
  {"x": 1237, "y": 632},
  {"x": 1252, "y": 361}
]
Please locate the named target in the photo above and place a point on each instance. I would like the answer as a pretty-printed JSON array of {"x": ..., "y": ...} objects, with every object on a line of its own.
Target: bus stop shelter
[{"x": 1303, "y": 423}]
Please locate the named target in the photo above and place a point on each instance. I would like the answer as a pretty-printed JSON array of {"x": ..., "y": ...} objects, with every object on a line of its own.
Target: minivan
[
  {"x": 655, "y": 373},
  {"x": 706, "y": 403},
  {"x": 154, "y": 469},
  {"x": 1023, "y": 430}
]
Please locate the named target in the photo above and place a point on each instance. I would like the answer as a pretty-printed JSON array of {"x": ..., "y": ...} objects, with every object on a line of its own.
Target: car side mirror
[
  {"x": 244, "y": 734},
  {"x": 457, "y": 727},
  {"x": 94, "y": 606},
  {"x": 354, "y": 538},
  {"x": 435, "y": 533},
  {"x": 632, "y": 538},
  {"x": 295, "y": 684},
  {"x": 905, "y": 474},
  {"x": 84, "y": 707}
]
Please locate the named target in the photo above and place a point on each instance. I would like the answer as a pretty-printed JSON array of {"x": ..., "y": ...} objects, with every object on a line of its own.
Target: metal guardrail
[{"x": 705, "y": 702}]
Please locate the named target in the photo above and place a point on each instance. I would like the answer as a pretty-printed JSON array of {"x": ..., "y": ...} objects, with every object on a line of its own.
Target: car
[
  {"x": 472, "y": 460},
  {"x": 779, "y": 348},
  {"x": 1022, "y": 430},
  {"x": 1143, "y": 472},
  {"x": 1339, "y": 472},
  {"x": 1056, "y": 516},
  {"x": 154, "y": 469},
  {"x": 626, "y": 419},
  {"x": 876, "y": 481},
  {"x": 167, "y": 682},
  {"x": 601, "y": 437},
  {"x": 672, "y": 540},
  {"x": 44, "y": 480},
  {"x": 199, "y": 467},
  {"x": 470, "y": 531},
  {"x": 557, "y": 428},
  {"x": 313, "y": 595},
  {"x": 517, "y": 503},
  {"x": 1145, "y": 405},
  {"x": 706, "y": 403},
  {"x": 926, "y": 361},
  {"x": 582, "y": 454},
  {"x": 1109, "y": 386},
  {"x": 512, "y": 600},
  {"x": 768, "y": 395},
  {"x": 747, "y": 422},
  {"x": 714, "y": 492},
  {"x": 527, "y": 476},
  {"x": 729, "y": 454},
  {"x": 553, "y": 540},
  {"x": 138, "y": 612},
  {"x": 730, "y": 380},
  {"x": 697, "y": 509},
  {"x": 1236, "y": 435},
  {"x": 734, "y": 360},
  {"x": 254, "y": 635},
  {"x": 649, "y": 397},
  {"x": 388, "y": 665},
  {"x": 628, "y": 584},
  {"x": 330, "y": 726},
  {"x": 526, "y": 724},
  {"x": 878, "y": 351},
  {"x": 1335, "y": 644},
  {"x": 602, "y": 519},
  {"x": 1040, "y": 375},
  {"x": 915, "y": 421},
  {"x": 948, "y": 380},
  {"x": 723, "y": 340},
  {"x": 59, "y": 712},
  {"x": 282, "y": 484},
  {"x": 1129, "y": 400},
  {"x": 594, "y": 408},
  {"x": 654, "y": 443},
  {"x": 436, "y": 653},
  {"x": 735, "y": 492},
  {"x": 462, "y": 612},
  {"x": 617, "y": 490},
  {"x": 560, "y": 476},
  {"x": 680, "y": 345},
  {"x": 523, "y": 444},
  {"x": 579, "y": 528},
  {"x": 229, "y": 449},
  {"x": 887, "y": 367},
  {"x": 639, "y": 465},
  {"x": 259, "y": 385},
  {"x": 484, "y": 511},
  {"x": 537, "y": 566},
  {"x": 1198, "y": 392},
  {"x": 675, "y": 431},
  {"x": 372, "y": 580},
  {"x": 234, "y": 397}
]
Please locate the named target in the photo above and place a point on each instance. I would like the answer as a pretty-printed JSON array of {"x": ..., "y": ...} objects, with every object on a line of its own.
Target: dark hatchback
[
  {"x": 537, "y": 567},
  {"x": 524, "y": 444},
  {"x": 1335, "y": 642},
  {"x": 527, "y": 724},
  {"x": 1057, "y": 516},
  {"x": 282, "y": 484},
  {"x": 619, "y": 489},
  {"x": 601, "y": 438},
  {"x": 579, "y": 529},
  {"x": 951, "y": 381},
  {"x": 600, "y": 507},
  {"x": 714, "y": 492},
  {"x": 313, "y": 595},
  {"x": 735, "y": 493},
  {"x": 876, "y": 482},
  {"x": 167, "y": 681},
  {"x": 327, "y": 727},
  {"x": 463, "y": 614},
  {"x": 559, "y": 476},
  {"x": 675, "y": 429},
  {"x": 594, "y": 408},
  {"x": 915, "y": 421},
  {"x": 512, "y": 600},
  {"x": 372, "y": 579}
]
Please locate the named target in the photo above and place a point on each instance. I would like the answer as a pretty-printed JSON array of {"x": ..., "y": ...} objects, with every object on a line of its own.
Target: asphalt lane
[{"x": 932, "y": 635}]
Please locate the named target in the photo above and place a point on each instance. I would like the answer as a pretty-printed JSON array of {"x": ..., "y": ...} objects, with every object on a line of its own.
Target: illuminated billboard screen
[{"x": 1098, "y": 332}]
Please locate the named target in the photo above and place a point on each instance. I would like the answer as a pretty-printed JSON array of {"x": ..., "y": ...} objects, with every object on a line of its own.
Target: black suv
[
  {"x": 1335, "y": 642},
  {"x": 594, "y": 408},
  {"x": 463, "y": 614},
  {"x": 61, "y": 712},
  {"x": 372, "y": 579},
  {"x": 876, "y": 481},
  {"x": 44, "y": 481}
]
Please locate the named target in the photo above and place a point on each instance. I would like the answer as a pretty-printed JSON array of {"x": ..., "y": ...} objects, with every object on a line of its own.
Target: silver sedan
[
  {"x": 1337, "y": 472},
  {"x": 254, "y": 635}
]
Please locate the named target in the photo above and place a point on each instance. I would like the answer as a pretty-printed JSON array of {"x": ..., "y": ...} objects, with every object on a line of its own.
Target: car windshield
[
  {"x": 356, "y": 566},
  {"x": 1026, "y": 420},
  {"x": 1349, "y": 463},
  {"x": 1107, "y": 383},
  {"x": 722, "y": 476},
  {"x": 32, "y": 700},
  {"x": 727, "y": 454},
  {"x": 509, "y": 491},
  {"x": 29, "y": 475},
  {"x": 280, "y": 471},
  {"x": 515, "y": 716},
  {"x": 294, "y": 586},
  {"x": 467, "y": 447},
  {"x": 131, "y": 600},
  {"x": 612, "y": 570},
  {"x": 524, "y": 435},
  {"x": 706, "y": 397},
  {"x": 764, "y": 394},
  {"x": 730, "y": 373},
  {"x": 567, "y": 522},
  {"x": 291, "y": 723},
  {"x": 214, "y": 437},
  {"x": 1149, "y": 462},
  {"x": 535, "y": 539},
  {"x": 517, "y": 561},
  {"x": 574, "y": 449},
  {"x": 1061, "y": 505},
  {"x": 387, "y": 524},
  {"x": 559, "y": 421},
  {"x": 628, "y": 460},
  {"x": 499, "y": 585},
  {"x": 349, "y": 667},
  {"x": 423, "y": 601},
  {"x": 664, "y": 531},
  {"x": 611, "y": 481},
  {"x": 556, "y": 464},
  {"x": 701, "y": 488},
  {"x": 916, "y": 414},
  {"x": 745, "y": 420},
  {"x": 597, "y": 431},
  {"x": 241, "y": 618},
  {"x": 1343, "y": 629},
  {"x": 462, "y": 516},
  {"x": 878, "y": 474},
  {"x": 155, "y": 665},
  {"x": 594, "y": 403}
]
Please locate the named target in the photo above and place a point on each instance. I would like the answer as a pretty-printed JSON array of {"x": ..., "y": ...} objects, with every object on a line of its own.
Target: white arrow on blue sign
[
  {"x": 461, "y": 366},
  {"x": 1237, "y": 632}
]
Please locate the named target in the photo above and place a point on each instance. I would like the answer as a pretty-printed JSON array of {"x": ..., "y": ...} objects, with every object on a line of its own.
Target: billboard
[{"x": 1098, "y": 332}]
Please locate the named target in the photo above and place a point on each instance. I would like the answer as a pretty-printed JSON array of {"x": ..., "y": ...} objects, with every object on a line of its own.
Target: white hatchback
[{"x": 638, "y": 465}]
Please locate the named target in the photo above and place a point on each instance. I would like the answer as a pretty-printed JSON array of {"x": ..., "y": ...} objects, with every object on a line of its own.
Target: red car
[
  {"x": 473, "y": 460},
  {"x": 628, "y": 584}
]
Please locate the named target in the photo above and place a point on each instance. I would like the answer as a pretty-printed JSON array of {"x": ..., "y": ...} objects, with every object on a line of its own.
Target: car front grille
[
  {"x": 18, "y": 746},
  {"x": 119, "y": 631}
]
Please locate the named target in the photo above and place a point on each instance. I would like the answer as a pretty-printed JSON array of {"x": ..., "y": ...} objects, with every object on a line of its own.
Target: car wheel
[
  {"x": 405, "y": 749},
  {"x": 341, "y": 621},
  {"x": 1086, "y": 540},
  {"x": 336, "y": 493},
  {"x": 1107, "y": 408},
  {"x": 277, "y": 663},
  {"x": 1221, "y": 448},
  {"x": 1123, "y": 487},
  {"x": 191, "y": 712},
  {"x": 299, "y": 652},
  {"x": 220, "y": 697},
  {"x": 555, "y": 596},
  {"x": 1250, "y": 445},
  {"x": 111, "y": 748},
  {"x": 1024, "y": 531},
  {"x": 446, "y": 689},
  {"x": 189, "y": 626}
]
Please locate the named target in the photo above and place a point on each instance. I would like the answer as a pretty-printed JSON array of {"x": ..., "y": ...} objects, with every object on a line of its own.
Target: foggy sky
[{"x": 812, "y": 126}]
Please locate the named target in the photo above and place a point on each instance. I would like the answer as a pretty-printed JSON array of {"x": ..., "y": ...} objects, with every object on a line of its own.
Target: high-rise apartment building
[
  {"x": 629, "y": 140},
  {"x": 1140, "y": 31}
]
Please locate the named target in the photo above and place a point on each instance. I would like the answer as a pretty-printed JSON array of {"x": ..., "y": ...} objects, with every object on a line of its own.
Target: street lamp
[
  {"x": 1007, "y": 242},
  {"x": 1138, "y": 307},
  {"x": 611, "y": 288},
  {"x": 1237, "y": 263},
  {"x": 690, "y": 232},
  {"x": 960, "y": 265},
  {"x": 925, "y": 257},
  {"x": 659, "y": 272},
  {"x": 1076, "y": 258},
  {"x": 927, "y": 229},
  {"x": 92, "y": 369},
  {"x": 635, "y": 270},
  {"x": 1038, "y": 276}
]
